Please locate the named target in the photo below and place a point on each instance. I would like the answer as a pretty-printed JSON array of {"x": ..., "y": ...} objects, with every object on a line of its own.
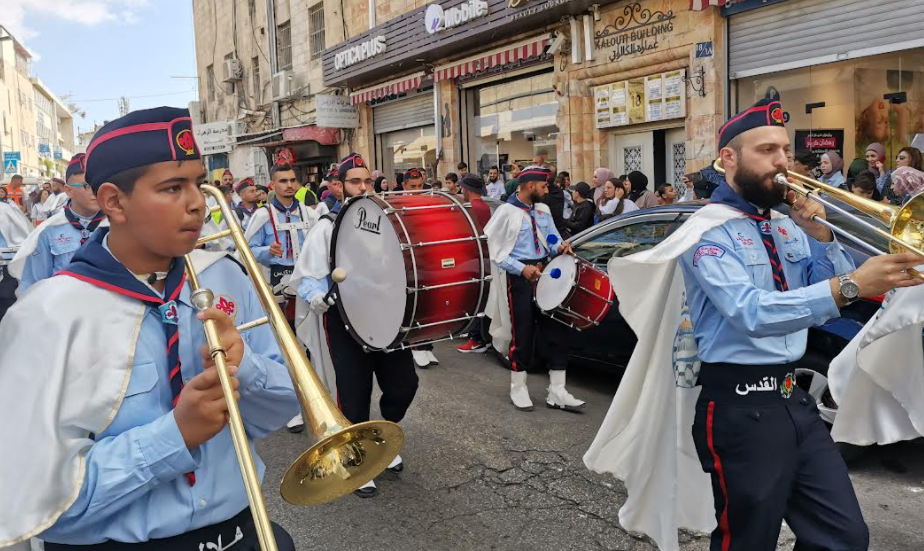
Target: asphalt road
[{"x": 480, "y": 475}]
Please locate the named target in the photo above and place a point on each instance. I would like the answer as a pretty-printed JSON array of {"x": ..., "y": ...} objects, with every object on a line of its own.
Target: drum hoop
[{"x": 412, "y": 298}]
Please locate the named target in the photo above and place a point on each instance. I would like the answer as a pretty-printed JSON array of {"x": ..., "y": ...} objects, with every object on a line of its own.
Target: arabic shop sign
[
  {"x": 534, "y": 7},
  {"x": 437, "y": 19},
  {"x": 636, "y": 31}
]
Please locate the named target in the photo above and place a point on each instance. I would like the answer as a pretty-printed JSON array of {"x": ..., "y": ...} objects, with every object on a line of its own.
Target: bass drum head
[
  {"x": 373, "y": 295},
  {"x": 552, "y": 291}
]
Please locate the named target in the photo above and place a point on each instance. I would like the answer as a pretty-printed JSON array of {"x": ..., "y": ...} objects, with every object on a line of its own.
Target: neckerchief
[
  {"x": 288, "y": 211},
  {"x": 530, "y": 209},
  {"x": 97, "y": 266},
  {"x": 725, "y": 195},
  {"x": 77, "y": 222}
]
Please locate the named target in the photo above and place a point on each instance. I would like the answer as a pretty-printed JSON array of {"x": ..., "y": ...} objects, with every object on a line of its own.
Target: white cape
[
  {"x": 878, "y": 379},
  {"x": 314, "y": 262},
  {"x": 645, "y": 439},
  {"x": 502, "y": 231},
  {"x": 14, "y": 226},
  {"x": 18, "y": 264}
]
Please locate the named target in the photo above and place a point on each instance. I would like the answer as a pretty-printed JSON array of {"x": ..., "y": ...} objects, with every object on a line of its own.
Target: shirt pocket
[
  {"x": 64, "y": 247},
  {"x": 141, "y": 404}
]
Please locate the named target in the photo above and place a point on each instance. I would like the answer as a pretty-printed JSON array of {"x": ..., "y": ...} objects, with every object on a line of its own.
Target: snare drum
[
  {"x": 417, "y": 268},
  {"x": 574, "y": 292}
]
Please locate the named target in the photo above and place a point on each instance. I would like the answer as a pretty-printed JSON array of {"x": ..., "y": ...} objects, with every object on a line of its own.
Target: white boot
[
  {"x": 559, "y": 397},
  {"x": 519, "y": 394},
  {"x": 296, "y": 424},
  {"x": 421, "y": 358}
]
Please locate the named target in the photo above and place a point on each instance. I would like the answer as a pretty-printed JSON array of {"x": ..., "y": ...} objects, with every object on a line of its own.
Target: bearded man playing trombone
[{"x": 754, "y": 285}]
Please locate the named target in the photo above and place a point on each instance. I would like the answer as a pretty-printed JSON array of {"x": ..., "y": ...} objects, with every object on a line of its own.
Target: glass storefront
[
  {"x": 409, "y": 148},
  {"x": 847, "y": 105},
  {"x": 513, "y": 121}
]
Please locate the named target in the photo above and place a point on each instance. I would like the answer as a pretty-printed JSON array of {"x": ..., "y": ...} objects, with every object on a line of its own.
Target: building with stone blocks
[{"x": 36, "y": 124}]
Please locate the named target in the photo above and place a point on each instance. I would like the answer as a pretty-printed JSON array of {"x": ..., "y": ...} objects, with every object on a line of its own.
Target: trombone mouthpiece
[
  {"x": 339, "y": 275},
  {"x": 780, "y": 179},
  {"x": 202, "y": 299}
]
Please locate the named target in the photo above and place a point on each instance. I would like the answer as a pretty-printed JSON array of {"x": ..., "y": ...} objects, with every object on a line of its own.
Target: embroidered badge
[
  {"x": 227, "y": 305},
  {"x": 782, "y": 231},
  {"x": 777, "y": 115},
  {"x": 766, "y": 228},
  {"x": 745, "y": 241},
  {"x": 707, "y": 250},
  {"x": 84, "y": 233},
  {"x": 185, "y": 141},
  {"x": 62, "y": 239},
  {"x": 358, "y": 161},
  {"x": 685, "y": 355},
  {"x": 788, "y": 385},
  {"x": 168, "y": 313}
]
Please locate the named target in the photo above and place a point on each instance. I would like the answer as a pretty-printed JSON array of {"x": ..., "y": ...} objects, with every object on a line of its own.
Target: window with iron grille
[
  {"x": 210, "y": 75},
  {"x": 257, "y": 85},
  {"x": 284, "y": 46},
  {"x": 316, "y": 21}
]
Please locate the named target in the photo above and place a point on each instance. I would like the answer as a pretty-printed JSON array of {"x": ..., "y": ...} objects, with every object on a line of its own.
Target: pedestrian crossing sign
[{"x": 11, "y": 167}]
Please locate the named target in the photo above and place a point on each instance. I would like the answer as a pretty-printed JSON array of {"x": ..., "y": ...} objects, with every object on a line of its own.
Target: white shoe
[
  {"x": 366, "y": 490},
  {"x": 296, "y": 424},
  {"x": 519, "y": 394},
  {"x": 396, "y": 465},
  {"x": 421, "y": 358},
  {"x": 559, "y": 397},
  {"x": 432, "y": 358}
]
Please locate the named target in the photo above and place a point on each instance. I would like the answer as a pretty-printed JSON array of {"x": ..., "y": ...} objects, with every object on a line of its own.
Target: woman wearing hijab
[
  {"x": 379, "y": 188},
  {"x": 832, "y": 167},
  {"x": 907, "y": 182},
  {"x": 640, "y": 194}
]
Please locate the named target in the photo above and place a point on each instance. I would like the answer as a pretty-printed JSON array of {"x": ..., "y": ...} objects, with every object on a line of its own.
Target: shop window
[
  {"x": 513, "y": 121},
  {"x": 316, "y": 22},
  {"x": 409, "y": 148},
  {"x": 847, "y": 105},
  {"x": 284, "y": 46}
]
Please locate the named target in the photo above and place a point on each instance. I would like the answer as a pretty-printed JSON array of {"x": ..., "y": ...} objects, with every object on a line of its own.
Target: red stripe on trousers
[
  {"x": 513, "y": 329},
  {"x": 723, "y": 520}
]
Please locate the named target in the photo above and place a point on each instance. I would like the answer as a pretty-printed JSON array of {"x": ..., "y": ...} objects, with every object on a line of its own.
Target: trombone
[
  {"x": 905, "y": 223},
  {"x": 343, "y": 456}
]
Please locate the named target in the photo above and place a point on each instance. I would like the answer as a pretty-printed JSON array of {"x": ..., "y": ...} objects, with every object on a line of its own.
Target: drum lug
[{"x": 405, "y": 247}]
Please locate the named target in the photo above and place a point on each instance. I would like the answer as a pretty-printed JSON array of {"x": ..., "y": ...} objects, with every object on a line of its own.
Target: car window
[{"x": 636, "y": 235}]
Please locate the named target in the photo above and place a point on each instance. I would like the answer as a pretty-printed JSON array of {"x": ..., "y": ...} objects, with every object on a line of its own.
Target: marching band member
[
  {"x": 245, "y": 210},
  {"x": 14, "y": 230},
  {"x": 521, "y": 236},
  {"x": 328, "y": 340},
  {"x": 127, "y": 447},
  {"x": 754, "y": 282},
  {"x": 51, "y": 246},
  {"x": 414, "y": 179}
]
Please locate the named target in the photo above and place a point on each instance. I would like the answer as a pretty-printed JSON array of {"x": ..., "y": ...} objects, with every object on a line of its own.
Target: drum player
[
  {"x": 354, "y": 367},
  {"x": 521, "y": 236}
]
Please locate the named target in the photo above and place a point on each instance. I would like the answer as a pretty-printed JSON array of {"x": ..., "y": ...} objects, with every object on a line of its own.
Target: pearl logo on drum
[{"x": 366, "y": 225}]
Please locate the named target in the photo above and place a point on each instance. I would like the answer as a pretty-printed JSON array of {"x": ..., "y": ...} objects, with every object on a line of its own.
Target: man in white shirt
[{"x": 495, "y": 184}]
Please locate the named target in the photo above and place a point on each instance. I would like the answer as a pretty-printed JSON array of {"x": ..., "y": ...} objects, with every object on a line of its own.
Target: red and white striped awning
[
  {"x": 396, "y": 86},
  {"x": 700, "y": 5},
  {"x": 509, "y": 54}
]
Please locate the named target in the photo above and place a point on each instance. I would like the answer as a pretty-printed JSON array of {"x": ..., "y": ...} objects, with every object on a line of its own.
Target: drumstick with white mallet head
[{"x": 338, "y": 275}]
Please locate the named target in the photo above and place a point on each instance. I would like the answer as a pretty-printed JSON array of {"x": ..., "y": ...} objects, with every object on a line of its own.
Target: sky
[{"x": 99, "y": 50}]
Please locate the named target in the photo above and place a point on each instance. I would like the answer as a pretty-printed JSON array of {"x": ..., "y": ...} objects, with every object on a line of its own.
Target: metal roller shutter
[
  {"x": 407, "y": 113},
  {"x": 801, "y": 33}
]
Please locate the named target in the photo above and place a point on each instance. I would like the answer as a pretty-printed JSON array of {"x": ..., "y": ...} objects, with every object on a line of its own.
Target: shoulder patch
[{"x": 707, "y": 250}]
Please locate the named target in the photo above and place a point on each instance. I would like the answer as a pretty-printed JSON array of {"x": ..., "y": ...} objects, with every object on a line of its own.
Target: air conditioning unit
[
  {"x": 238, "y": 128},
  {"x": 282, "y": 85},
  {"x": 233, "y": 71}
]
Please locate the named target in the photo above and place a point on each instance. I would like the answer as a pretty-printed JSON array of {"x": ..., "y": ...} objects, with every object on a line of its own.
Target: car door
[{"x": 611, "y": 343}]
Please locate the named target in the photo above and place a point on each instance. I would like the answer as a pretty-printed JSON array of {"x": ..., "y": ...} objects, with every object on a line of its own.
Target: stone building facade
[{"x": 492, "y": 82}]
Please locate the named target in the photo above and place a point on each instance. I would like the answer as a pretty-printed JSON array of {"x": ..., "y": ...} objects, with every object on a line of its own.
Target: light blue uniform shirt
[
  {"x": 525, "y": 246},
  {"x": 260, "y": 242},
  {"x": 135, "y": 489},
  {"x": 738, "y": 315},
  {"x": 54, "y": 250}
]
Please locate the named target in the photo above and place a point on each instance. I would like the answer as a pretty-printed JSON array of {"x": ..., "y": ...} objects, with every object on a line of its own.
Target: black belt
[
  {"x": 748, "y": 384},
  {"x": 227, "y": 531}
]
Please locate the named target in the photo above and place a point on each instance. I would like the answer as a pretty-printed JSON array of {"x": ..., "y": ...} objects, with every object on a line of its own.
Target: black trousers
[
  {"x": 394, "y": 372},
  {"x": 534, "y": 334},
  {"x": 196, "y": 539},
  {"x": 771, "y": 458},
  {"x": 7, "y": 291}
]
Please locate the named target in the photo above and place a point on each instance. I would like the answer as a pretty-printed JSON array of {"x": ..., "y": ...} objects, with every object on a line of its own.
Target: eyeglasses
[
  {"x": 357, "y": 181},
  {"x": 79, "y": 186}
]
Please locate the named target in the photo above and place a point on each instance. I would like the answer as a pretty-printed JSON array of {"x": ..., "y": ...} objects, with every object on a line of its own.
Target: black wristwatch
[{"x": 848, "y": 288}]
